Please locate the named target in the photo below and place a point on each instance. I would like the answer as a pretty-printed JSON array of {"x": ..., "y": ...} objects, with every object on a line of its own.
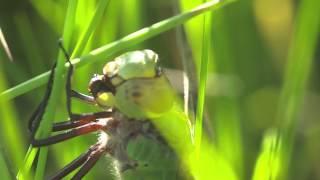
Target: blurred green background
[{"x": 252, "y": 42}]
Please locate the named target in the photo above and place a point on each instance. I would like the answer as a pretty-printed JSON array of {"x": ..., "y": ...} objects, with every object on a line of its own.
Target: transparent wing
[{"x": 185, "y": 81}]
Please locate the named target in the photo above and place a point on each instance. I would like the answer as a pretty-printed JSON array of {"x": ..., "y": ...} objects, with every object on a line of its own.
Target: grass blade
[
  {"x": 96, "y": 18},
  {"x": 5, "y": 45},
  {"x": 58, "y": 80},
  {"x": 300, "y": 58},
  {"x": 267, "y": 165},
  {"x": 203, "y": 74},
  {"x": 10, "y": 131},
  {"x": 4, "y": 170}
]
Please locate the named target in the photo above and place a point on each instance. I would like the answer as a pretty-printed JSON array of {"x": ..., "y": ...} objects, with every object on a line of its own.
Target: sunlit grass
[
  {"x": 268, "y": 162},
  {"x": 12, "y": 140},
  {"x": 207, "y": 55},
  {"x": 278, "y": 147},
  {"x": 299, "y": 65}
]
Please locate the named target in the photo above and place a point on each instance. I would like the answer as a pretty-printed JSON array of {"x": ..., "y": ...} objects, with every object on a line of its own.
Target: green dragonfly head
[
  {"x": 134, "y": 64},
  {"x": 134, "y": 84}
]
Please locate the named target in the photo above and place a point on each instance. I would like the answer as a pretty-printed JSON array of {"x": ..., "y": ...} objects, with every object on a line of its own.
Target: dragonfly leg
[
  {"x": 81, "y": 130},
  {"x": 82, "y": 97},
  {"x": 69, "y": 76},
  {"x": 90, "y": 162},
  {"x": 36, "y": 117},
  {"x": 79, "y": 161},
  {"x": 69, "y": 91},
  {"x": 80, "y": 119}
]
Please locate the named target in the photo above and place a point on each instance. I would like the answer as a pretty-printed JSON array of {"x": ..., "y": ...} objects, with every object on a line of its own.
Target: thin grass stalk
[
  {"x": 58, "y": 81},
  {"x": 203, "y": 74},
  {"x": 24, "y": 170}
]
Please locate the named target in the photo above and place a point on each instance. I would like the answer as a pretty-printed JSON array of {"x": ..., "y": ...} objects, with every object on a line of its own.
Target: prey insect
[{"x": 131, "y": 90}]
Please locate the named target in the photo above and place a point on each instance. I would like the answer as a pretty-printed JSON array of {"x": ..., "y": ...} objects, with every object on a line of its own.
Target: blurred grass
[
  {"x": 268, "y": 162},
  {"x": 4, "y": 169},
  {"x": 277, "y": 153},
  {"x": 228, "y": 135},
  {"x": 226, "y": 117},
  {"x": 10, "y": 130},
  {"x": 249, "y": 40},
  {"x": 203, "y": 74},
  {"x": 299, "y": 66}
]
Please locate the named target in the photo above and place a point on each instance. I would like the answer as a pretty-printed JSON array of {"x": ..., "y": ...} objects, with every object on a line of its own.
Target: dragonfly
[{"x": 136, "y": 98}]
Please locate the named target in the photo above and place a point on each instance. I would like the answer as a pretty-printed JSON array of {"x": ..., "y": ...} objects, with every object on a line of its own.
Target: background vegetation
[{"x": 262, "y": 93}]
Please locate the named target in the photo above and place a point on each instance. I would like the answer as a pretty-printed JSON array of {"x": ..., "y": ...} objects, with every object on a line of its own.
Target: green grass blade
[
  {"x": 96, "y": 18},
  {"x": 68, "y": 27},
  {"x": 58, "y": 80},
  {"x": 4, "y": 170},
  {"x": 203, "y": 74},
  {"x": 300, "y": 58},
  {"x": 267, "y": 164},
  {"x": 46, "y": 9},
  {"x": 225, "y": 110},
  {"x": 108, "y": 50},
  {"x": 11, "y": 137},
  {"x": 27, "y": 35},
  {"x": 132, "y": 11},
  {"x": 24, "y": 170},
  {"x": 223, "y": 107}
]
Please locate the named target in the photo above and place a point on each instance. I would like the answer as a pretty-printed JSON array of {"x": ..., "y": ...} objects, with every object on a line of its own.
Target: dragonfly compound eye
[
  {"x": 100, "y": 83},
  {"x": 102, "y": 90}
]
